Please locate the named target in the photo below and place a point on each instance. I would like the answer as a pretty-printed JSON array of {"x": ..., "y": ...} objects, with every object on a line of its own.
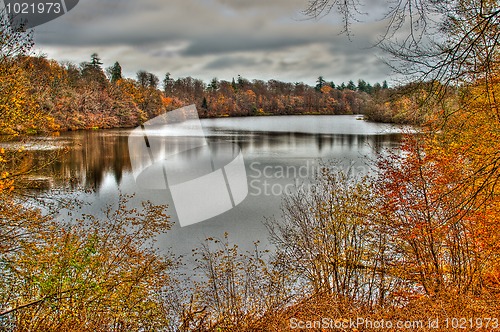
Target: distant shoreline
[{"x": 362, "y": 117}]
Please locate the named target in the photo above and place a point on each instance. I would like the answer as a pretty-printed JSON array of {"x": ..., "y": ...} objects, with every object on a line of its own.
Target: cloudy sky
[{"x": 258, "y": 39}]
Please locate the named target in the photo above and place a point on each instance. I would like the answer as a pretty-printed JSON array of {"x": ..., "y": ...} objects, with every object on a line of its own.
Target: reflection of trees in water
[
  {"x": 91, "y": 157},
  {"x": 94, "y": 155},
  {"x": 316, "y": 143}
]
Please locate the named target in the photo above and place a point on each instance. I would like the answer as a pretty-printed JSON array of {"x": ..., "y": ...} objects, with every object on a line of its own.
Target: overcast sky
[{"x": 257, "y": 39}]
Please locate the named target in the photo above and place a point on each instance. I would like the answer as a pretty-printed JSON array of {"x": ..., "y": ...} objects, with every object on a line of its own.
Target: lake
[{"x": 279, "y": 154}]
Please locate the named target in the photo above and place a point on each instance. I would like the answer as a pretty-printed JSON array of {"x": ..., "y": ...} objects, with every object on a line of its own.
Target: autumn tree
[
  {"x": 328, "y": 241},
  {"x": 88, "y": 274},
  {"x": 13, "y": 40},
  {"x": 153, "y": 81},
  {"x": 441, "y": 192},
  {"x": 19, "y": 110},
  {"x": 444, "y": 230},
  {"x": 92, "y": 72},
  {"x": 235, "y": 288},
  {"x": 142, "y": 78}
]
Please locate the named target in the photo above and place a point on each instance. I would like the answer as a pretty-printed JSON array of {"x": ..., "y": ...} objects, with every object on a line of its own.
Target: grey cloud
[
  {"x": 125, "y": 22},
  {"x": 237, "y": 44},
  {"x": 207, "y": 38},
  {"x": 264, "y": 5},
  {"x": 235, "y": 61}
]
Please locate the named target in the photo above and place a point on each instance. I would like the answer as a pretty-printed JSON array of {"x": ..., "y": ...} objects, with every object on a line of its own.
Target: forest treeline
[{"x": 86, "y": 96}]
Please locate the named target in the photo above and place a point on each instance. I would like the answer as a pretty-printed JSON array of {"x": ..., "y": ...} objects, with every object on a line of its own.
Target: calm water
[{"x": 279, "y": 152}]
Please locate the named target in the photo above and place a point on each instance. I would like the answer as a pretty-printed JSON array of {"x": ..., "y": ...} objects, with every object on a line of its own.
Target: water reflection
[
  {"x": 100, "y": 160},
  {"x": 312, "y": 145},
  {"x": 99, "y": 154},
  {"x": 92, "y": 156}
]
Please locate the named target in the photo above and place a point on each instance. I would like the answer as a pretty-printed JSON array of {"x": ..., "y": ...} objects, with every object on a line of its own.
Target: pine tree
[
  {"x": 351, "y": 86},
  {"x": 95, "y": 61},
  {"x": 320, "y": 83},
  {"x": 241, "y": 82},
  {"x": 369, "y": 88},
  {"x": 115, "y": 72},
  {"x": 92, "y": 71},
  {"x": 233, "y": 85},
  {"x": 362, "y": 86},
  {"x": 214, "y": 84},
  {"x": 168, "y": 83}
]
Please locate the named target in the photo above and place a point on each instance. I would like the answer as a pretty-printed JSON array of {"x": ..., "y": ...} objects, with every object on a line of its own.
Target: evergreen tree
[
  {"x": 204, "y": 104},
  {"x": 385, "y": 85},
  {"x": 351, "y": 86},
  {"x": 214, "y": 84},
  {"x": 115, "y": 72},
  {"x": 320, "y": 83},
  {"x": 168, "y": 83},
  {"x": 95, "y": 61},
  {"x": 369, "y": 88},
  {"x": 241, "y": 82},
  {"x": 362, "y": 86},
  {"x": 92, "y": 71},
  {"x": 233, "y": 85}
]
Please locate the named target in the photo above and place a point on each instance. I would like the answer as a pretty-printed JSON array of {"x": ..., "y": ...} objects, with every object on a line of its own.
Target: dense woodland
[
  {"x": 87, "y": 96},
  {"x": 416, "y": 239}
]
